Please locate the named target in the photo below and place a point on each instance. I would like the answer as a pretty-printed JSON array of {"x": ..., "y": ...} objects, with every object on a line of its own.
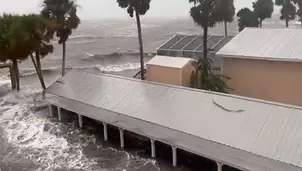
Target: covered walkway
[{"x": 246, "y": 134}]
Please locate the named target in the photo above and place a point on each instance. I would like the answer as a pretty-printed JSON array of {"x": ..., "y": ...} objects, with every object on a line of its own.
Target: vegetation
[
  {"x": 21, "y": 37},
  {"x": 288, "y": 10},
  {"x": 64, "y": 12},
  {"x": 137, "y": 7},
  {"x": 213, "y": 82},
  {"x": 299, "y": 11},
  {"x": 206, "y": 13},
  {"x": 247, "y": 18},
  {"x": 263, "y": 9},
  {"x": 226, "y": 9},
  {"x": 37, "y": 28}
]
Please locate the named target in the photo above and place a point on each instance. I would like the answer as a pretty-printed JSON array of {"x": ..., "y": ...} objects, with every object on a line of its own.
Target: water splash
[{"x": 51, "y": 144}]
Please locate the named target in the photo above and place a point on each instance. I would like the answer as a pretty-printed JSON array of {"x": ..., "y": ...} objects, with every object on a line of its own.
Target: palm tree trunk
[
  {"x": 260, "y": 23},
  {"x": 286, "y": 8},
  {"x": 37, "y": 65},
  {"x": 63, "y": 58},
  {"x": 300, "y": 13},
  {"x": 34, "y": 62},
  {"x": 286, "y": 21},
  {"x": 205, "y": 55},
  {"x": 225, "y": 29},
  {"x": 140, "y": 40},
  {"x": 17, "y": 73}
]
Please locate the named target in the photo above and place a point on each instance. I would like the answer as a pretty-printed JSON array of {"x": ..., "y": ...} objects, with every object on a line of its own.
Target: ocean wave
[
  {"x": 108, "y": 35},
  {"x": 50, "y": 144},
  {"x": 32, "y": 71},
  {"x": 81, "y": 42},
  {"x": 106, "y": 68},
  {"x": 40, "y": 140},
  {"x": 36, "y": 137},
  {"x": 118, "y": 68},
  {"x": 119, "y": 54}
]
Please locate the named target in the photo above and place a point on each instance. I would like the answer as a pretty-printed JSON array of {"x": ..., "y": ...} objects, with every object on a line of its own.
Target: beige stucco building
[
  {"x": 265, "y": 64},
  {"x": 170, "y": 70}
]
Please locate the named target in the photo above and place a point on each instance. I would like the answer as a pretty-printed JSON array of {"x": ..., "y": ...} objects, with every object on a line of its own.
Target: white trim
[
  {"x": 190, "y": 42},
  {"x": 259, "y": 58},
  {"x": 166, "y": 42},
  {"x": 219, "y": 42},
  {"x": 177, "y": 43},
  {"x": 202, "y": 43}
]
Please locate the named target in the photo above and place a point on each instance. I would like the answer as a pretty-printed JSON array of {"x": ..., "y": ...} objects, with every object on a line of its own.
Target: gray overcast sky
[{"x": 93, "y": 9}]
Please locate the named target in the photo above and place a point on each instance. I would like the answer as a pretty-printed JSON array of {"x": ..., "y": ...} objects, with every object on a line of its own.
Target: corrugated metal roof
[
  {"x": 166, "y": 61},
  {"x": 267, "y": 129},
  {"x": 268, "y": 44}
]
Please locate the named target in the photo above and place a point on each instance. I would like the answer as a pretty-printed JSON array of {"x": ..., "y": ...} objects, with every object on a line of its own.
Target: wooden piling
[
  {"x": 105, "y": 132},
  {"x": 122, "y": 138},
  {"x": 174, "y": 155},
  {"x": 219, "y": 166},
  {"x": 12, "y": 74},
  {"x": 80, "y": 120},
  {"x": 153, "y": 154},
  {"x": 59, "y": 113},
  {"x": 50, "y": 109}
]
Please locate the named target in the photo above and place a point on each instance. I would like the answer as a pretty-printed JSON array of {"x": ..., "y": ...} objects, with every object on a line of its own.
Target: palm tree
[
  {"x": 206, "y": 13},
  {"x": 299, "y": 11},
  {"x": 39, "y": 41},
  {"x": 247, "y": 18},
  {"x": 263, "y": 9},
  {"x": 13, "y": 42},
  {"x": 64, "y": 12},
  {"x": 227, "y": 11},
  {"x": 139, "y": 7},
  {"x": 288, "y": 11}
]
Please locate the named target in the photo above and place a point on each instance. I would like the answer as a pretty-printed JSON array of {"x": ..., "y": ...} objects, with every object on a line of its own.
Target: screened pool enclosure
[{"x": 191, "y": 46}]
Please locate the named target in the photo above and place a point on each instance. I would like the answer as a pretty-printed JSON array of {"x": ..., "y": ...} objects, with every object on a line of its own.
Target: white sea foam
[
  {"x": 118, "y": 68},
  {"x": 36, "y": 137},
  {"x": 42, "y": 141},
  {"x": 105, "y": 68}
]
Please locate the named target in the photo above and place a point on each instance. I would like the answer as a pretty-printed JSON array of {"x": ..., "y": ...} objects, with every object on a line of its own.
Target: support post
[
  {"x": 105, "y": 132},
  {"x": 219, "y": 166},
  {"x": 153, "y": 155},
  {"x": 174, "y": 153},
  {"x": 122, "y": 138},
  {"x": 59, "y": 113},
  {"x": 12, "y": 77},
  {"x": 80, "y": 120},
  {"x": 50, "y": 109}
]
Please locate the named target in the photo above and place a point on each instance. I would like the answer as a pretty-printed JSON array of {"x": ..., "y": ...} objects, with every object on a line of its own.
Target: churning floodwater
[{"x": 30, "y": 140}]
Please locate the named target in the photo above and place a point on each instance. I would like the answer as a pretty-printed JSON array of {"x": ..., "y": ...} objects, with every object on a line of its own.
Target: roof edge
[{"x": 259, "y": 58}]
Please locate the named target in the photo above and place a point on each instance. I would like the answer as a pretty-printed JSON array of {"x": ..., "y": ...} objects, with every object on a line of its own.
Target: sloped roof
[
  {"x": 270, "y": 130},
  {"x": 266, "y": 44},
  {"x": 166, "y": 61}
]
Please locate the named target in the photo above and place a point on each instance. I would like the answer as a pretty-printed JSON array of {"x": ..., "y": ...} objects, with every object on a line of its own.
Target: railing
[{"x": 12, "y": 74}]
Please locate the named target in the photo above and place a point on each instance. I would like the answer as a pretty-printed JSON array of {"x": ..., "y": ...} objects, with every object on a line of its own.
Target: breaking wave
[
  {"x": 110, "y": 35},
  {"x": 106, "y": 68},
  {"x": 50, "y": 144},
  {"x": 33, "y": 135},
  {"x": 118, "y": 54}
]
